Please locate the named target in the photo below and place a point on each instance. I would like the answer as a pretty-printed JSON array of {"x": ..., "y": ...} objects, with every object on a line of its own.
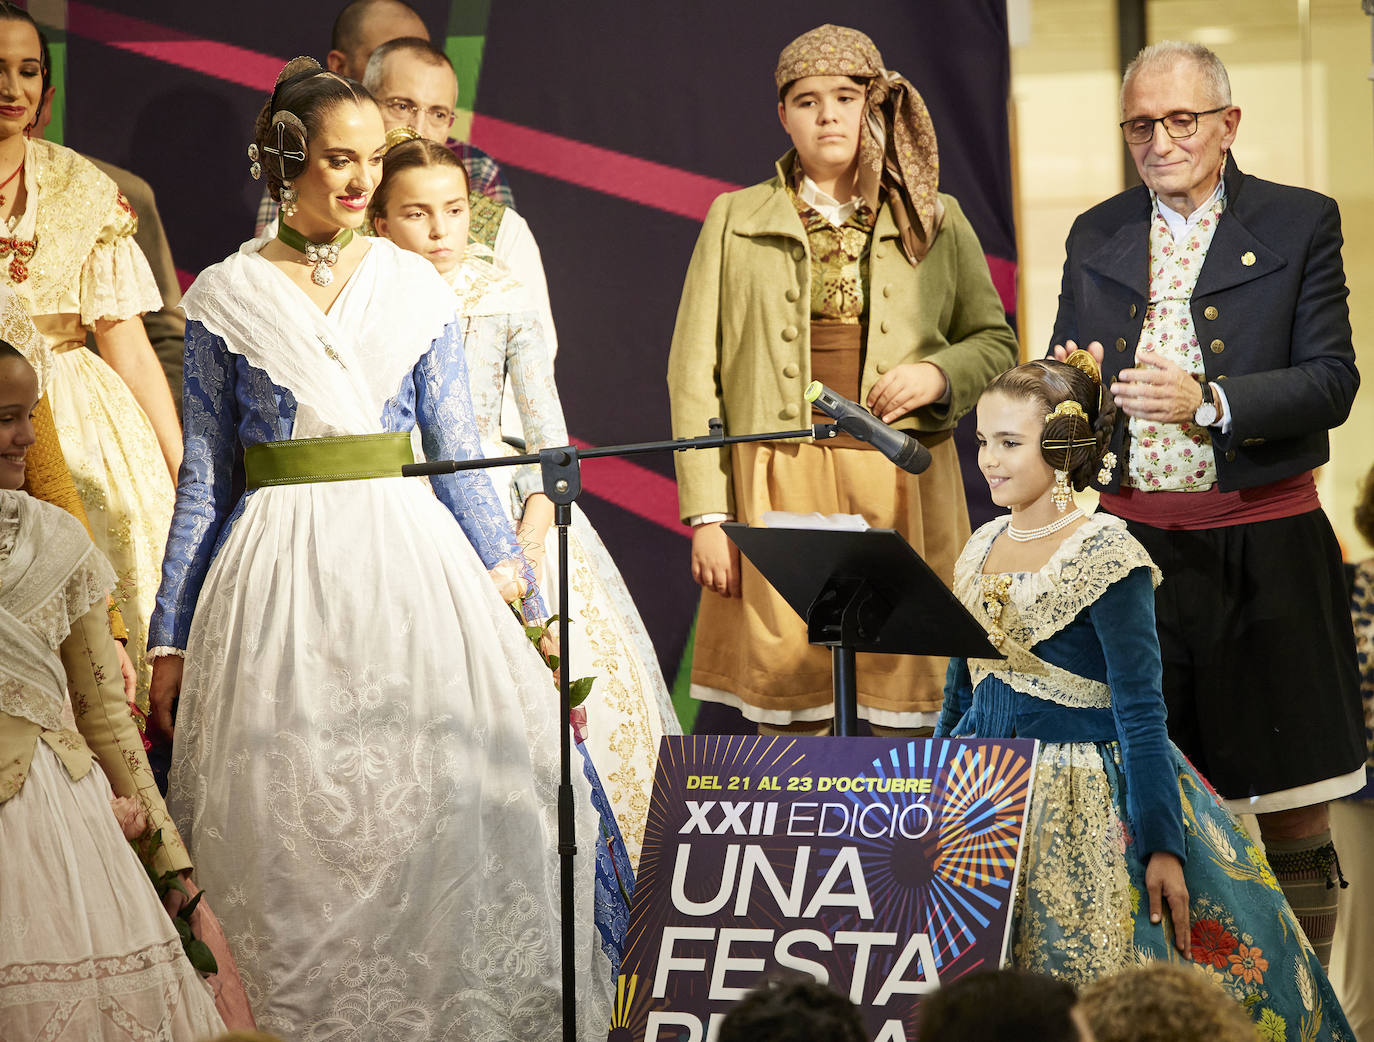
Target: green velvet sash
[{"x": 346, "y": 457}]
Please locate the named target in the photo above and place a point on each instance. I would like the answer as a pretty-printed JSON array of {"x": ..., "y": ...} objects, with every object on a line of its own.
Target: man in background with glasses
[
  {"x": 360, "y": 29},
  {"x": 1216, "y": 302},
  {"x": 415, "y": 87}
]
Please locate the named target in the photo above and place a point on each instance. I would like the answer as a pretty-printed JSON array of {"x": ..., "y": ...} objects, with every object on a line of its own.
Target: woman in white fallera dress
[
  {"x": 366, "y": 745},
  {"x": 421, "y": 204}
]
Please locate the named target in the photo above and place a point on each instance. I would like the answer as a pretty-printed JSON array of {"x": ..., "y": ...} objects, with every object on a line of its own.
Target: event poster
[{"x": 882, "y": 867}]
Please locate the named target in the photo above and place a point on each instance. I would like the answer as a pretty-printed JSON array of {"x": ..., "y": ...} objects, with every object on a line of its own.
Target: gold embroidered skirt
[{"x": 120, "y": 473}]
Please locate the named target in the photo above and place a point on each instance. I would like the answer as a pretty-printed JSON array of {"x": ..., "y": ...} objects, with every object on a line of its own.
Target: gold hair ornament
[
  {"x": 1067, "y": 408},
  {"x": 1108, "y": 465},
  {"x": 399, "y": 136}
]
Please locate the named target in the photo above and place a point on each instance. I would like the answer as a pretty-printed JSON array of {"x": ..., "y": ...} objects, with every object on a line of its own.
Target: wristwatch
[{"x": 1207, "y": 413}]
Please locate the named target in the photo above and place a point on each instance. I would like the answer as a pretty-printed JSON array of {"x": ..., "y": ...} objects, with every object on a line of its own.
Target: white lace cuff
[{"x": 160, "y": 651}]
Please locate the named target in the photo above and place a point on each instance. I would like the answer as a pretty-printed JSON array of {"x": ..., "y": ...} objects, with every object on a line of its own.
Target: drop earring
[
  {"x": 288, "y": 199},
  {"x": 1062, "y": 494}
]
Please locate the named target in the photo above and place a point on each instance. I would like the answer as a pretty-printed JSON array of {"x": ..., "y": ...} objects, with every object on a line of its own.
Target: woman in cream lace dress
[{"x": 68, "y": 252}]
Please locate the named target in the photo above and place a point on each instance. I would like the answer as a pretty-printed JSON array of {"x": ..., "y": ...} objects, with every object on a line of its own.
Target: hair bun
[
  {"x": 1085, "y": 363},
  {"x": 295, "y": 67}
]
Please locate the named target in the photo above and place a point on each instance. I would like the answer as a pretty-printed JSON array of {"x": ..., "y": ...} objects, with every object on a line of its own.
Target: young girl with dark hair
[
  {"x": 366, "y": 747},
  {"x": 1128, "y": 855}
]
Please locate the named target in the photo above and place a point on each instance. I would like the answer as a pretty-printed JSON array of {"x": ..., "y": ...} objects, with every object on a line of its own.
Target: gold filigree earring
[{"x": 1062, "y": 495}]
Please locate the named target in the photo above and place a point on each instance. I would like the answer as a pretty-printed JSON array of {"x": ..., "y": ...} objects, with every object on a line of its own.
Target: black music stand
[{"x": 861, "y": 591}]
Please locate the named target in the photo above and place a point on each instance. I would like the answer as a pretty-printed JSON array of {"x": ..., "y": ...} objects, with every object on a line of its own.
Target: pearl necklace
[{"x": 1026, "y": 535}]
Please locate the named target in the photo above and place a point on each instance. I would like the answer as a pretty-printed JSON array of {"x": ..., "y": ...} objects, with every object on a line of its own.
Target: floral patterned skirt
[{"x": 1082, "y": 909}]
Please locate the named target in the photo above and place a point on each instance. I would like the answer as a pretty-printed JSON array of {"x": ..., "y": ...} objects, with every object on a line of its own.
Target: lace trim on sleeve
[
  {"x": 51, "y": 620},
  {"x": 116, "y": 281},
  {"x": 90, "y": 581}
]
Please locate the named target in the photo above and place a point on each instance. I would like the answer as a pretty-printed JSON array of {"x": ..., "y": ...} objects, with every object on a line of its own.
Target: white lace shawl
[
  {"x": 51, "y": 574},
  {"x": 343, "y": 366},
  {"x": 1097, "y": 554}
]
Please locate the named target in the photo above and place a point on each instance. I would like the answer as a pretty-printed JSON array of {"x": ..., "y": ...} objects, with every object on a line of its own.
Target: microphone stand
[{"x": 562, "y": 473}]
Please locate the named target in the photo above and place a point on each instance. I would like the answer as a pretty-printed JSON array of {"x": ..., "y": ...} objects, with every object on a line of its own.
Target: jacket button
[
  {"x": 882, "y": 367},
  {"x": 1121, "y": 343},
  {"x": 790, "y": 371},
  {"x": 792, "y": 295},
  {"x": 789, "y": 412},
  {"x": 887, "y": 290},
  {"x": 883, "y": 325},
  {"x": 789, "y": 334},
  {"x": 798, "y": 252},
  {"x": 1210, "y": 312},
  {"x": 1230, "y": 455},
  {"x": 1133, "y": 310},
  {"x": 1218, "y": 346},
  {"x": 881, "y": 251}
]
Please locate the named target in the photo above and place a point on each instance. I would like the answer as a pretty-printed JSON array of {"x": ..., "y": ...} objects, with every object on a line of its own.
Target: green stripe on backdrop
[
  {"x": 465, "y": 52},
  {"x": 463, "y": 43},
  {"x": 683, "y": 701}
]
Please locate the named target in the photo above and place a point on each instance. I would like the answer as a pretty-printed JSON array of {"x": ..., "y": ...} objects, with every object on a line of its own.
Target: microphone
[{"x": 898, "y": 446}]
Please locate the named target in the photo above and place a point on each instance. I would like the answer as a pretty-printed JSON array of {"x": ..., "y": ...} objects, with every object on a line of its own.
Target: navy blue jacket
[{"x": 1269, "y": 309}]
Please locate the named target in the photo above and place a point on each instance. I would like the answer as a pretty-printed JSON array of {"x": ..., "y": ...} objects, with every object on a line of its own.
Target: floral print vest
[{"x": 1173, "y": 457}]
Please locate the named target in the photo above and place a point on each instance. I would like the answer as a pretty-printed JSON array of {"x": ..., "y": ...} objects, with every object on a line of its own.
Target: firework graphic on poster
[{"x": 879, "y": 865}]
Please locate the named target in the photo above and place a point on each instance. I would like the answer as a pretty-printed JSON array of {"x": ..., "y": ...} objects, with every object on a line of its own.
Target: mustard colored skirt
[{"x": 752, "y": 652}]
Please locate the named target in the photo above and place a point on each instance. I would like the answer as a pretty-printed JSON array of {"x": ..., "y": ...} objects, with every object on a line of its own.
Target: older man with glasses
[
  {"x": 1216, "y": 302},
  {"x": 414, "y": 83}
]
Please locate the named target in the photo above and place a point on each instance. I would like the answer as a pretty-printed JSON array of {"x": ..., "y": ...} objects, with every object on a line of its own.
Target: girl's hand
[
  {"x": 715, "y": 560},
  {"x": 905, "y": 388},
  {"x": 164, "y": 689},
  {"x": 1164, "y": 879},
  {"x": 126, "y": 670}
]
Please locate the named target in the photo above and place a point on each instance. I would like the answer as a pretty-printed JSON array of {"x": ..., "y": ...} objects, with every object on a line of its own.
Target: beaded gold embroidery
[{"x": 996, "y": 589}]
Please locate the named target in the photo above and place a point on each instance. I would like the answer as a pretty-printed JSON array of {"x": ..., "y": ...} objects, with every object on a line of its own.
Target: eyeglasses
[
  {"x": 404, "y": 109},
  {"x": 1176, "y": 124}
]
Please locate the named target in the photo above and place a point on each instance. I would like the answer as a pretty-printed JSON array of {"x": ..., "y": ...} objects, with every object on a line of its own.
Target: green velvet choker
[{"x": 321, "y": 254}]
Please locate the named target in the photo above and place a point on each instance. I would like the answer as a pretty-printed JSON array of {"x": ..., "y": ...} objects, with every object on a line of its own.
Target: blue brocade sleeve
[
  {"x": 1124, "y": 618},
  {"x": 205, "y": 484},
  {"x": 448, "y": 430}
]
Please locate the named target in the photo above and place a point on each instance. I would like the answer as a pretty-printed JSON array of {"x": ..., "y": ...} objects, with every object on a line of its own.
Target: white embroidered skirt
[
  {"x": 86, "y": 950},
  {"x": 365, "y": 769}
]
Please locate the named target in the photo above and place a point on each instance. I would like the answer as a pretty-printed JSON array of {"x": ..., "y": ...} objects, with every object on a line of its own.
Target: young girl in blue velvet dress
[{"x": 1128, "y": 857}]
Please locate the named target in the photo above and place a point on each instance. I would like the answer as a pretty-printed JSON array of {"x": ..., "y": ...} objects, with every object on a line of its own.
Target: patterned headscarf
[{"x": 897, "y": 150}]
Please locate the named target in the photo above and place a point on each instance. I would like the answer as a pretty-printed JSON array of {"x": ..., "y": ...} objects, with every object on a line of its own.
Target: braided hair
[{"x": 1079, "y": 416}]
